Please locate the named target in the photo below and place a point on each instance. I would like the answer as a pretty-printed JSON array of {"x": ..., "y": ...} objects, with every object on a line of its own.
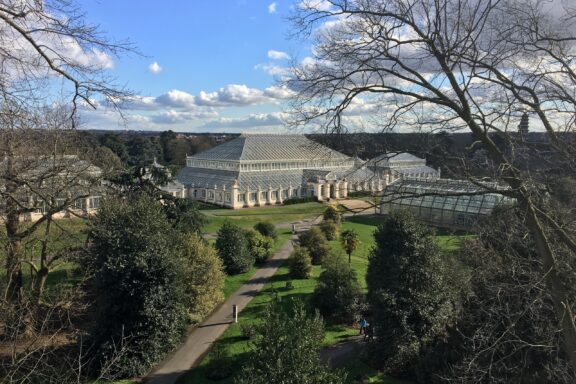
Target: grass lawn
[
  {"x": 246, "y": 218},
  {"x": 239, "y": 347}
]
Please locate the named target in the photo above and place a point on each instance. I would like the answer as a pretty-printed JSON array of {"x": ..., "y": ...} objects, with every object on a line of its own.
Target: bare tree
[
  {"x": 49, "y": 43},
  {"x": 49, "y": 54},
  {"x": 41, "y": 177},
  {"x": 453, "y": 65}
]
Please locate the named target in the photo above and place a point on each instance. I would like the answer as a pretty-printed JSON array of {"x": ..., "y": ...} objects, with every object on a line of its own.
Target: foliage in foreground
[
  {"x": 338, "y": 295},
  {"x": 233, "y": 249},
  {"x": 137, "y": 285},
  {"x": 406, "y": 292},
  {"x": 507, "y": 331},
  {"x": 287, "y": 349}
]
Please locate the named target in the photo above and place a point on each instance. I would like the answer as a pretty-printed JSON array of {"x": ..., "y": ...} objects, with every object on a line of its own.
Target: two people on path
[{"x": 366, "y": 329}]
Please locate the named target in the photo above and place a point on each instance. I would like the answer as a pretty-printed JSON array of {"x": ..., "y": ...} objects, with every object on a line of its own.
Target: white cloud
[
  {"x": 273, "y": 120},
  {"x": 274, "y": 70},
  {"x": 155, "y": 68},
  {"x": 315, "y": 5},
  {"x": 176, "y": 99},
  {"x": 281, "y": 92},
  {"x": 272, "y": 8},
  {"x": 278, "y": 55},
  {"x": 232, "y": 94},
  {"x": 141, "y": 103},
  {"x": 176, "y": 117}
]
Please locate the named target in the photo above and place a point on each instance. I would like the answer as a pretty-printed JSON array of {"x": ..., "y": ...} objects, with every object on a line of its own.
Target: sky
[{"x": 205, "y": 66}]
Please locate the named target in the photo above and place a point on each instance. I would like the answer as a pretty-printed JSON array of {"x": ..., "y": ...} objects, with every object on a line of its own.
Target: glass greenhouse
[{"x": 442, "y": 202}]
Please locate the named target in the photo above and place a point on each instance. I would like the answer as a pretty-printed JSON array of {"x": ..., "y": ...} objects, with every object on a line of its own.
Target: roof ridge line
[{"x": 243, "y": 146}]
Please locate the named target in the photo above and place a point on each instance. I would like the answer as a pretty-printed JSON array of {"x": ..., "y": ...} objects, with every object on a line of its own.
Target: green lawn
[{"x": 246, "y": 218}]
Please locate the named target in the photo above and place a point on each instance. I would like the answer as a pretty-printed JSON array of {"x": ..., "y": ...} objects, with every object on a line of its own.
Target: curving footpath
[{"x": 200, "y": 338}]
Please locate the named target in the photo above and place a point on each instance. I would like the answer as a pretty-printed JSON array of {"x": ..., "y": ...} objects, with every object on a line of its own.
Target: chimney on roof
[{"x": 523, "y": 126}]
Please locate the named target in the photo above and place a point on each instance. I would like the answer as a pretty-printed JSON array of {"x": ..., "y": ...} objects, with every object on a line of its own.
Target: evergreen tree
[
  {"x": 406, "y": 292},
  {"x": 266, "y": 228},
  {"x": 315, "y": 242},
  {"x": 300, "y": 263},
  {"x": 233, "y": 249},
  {"x": 137, "y": 285},
  {"x": 287, "y": 349},
  {"x": 338, "y": 295}
]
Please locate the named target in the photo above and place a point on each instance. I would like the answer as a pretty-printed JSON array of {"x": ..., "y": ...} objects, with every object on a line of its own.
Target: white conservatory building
[{"x": 264, "y": 169}]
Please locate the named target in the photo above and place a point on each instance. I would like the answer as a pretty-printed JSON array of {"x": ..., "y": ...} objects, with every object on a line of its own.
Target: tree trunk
[
  {"x": 561, "y": 302},
  {"x": 12, "y": 225},
  {"x": 43, "y": 271}
]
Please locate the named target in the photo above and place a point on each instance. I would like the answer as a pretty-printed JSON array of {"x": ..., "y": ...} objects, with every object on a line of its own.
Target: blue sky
[{"x": 216, "y": 68}]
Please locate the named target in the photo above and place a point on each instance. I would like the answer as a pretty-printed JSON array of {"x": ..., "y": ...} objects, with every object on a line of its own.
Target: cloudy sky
[{"x": 206, "y": 65}]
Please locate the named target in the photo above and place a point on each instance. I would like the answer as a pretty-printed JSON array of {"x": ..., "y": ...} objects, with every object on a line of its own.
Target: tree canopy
[
  {"x": 287, "y": 349},
  {"x": 406, "y": 292},
  {"x": 140, "y": 301}
]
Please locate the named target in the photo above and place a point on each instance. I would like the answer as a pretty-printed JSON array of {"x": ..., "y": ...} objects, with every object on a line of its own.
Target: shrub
[
  {"x": 301, "y": 200},
  {"x": 232, "y": 248},
  {"x": 266, "y": 229},
  {"x": 248, "y": 331},
  {"x": 338, "y": 295},
  {"x": 332, "y": 213},
  {"x": 259, "y": 246},
  {"x": 203, "y": 277},
  {"x": 315, "y": 241},
  {"x": 330, "y": 229},
  {"x": 300, "y": 263}
]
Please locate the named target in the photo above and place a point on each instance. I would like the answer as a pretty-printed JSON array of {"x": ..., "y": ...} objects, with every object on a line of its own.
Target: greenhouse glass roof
[{"x": 444, "y": 202}]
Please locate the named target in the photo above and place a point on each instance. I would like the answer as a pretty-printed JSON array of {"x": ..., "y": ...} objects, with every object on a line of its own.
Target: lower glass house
[{"x": 456, "y": 204}]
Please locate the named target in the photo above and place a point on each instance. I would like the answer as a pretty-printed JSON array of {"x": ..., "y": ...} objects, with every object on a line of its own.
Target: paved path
[
  {"x": 338, "y": 355},
  {"x": 200, "y": 338}
]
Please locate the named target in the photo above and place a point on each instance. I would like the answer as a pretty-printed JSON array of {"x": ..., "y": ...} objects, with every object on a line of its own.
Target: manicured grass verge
[{"x": 246, "y": 218}]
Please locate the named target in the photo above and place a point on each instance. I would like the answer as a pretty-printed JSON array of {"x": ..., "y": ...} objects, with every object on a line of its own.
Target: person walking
[{"x": 363, "y": 324}]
